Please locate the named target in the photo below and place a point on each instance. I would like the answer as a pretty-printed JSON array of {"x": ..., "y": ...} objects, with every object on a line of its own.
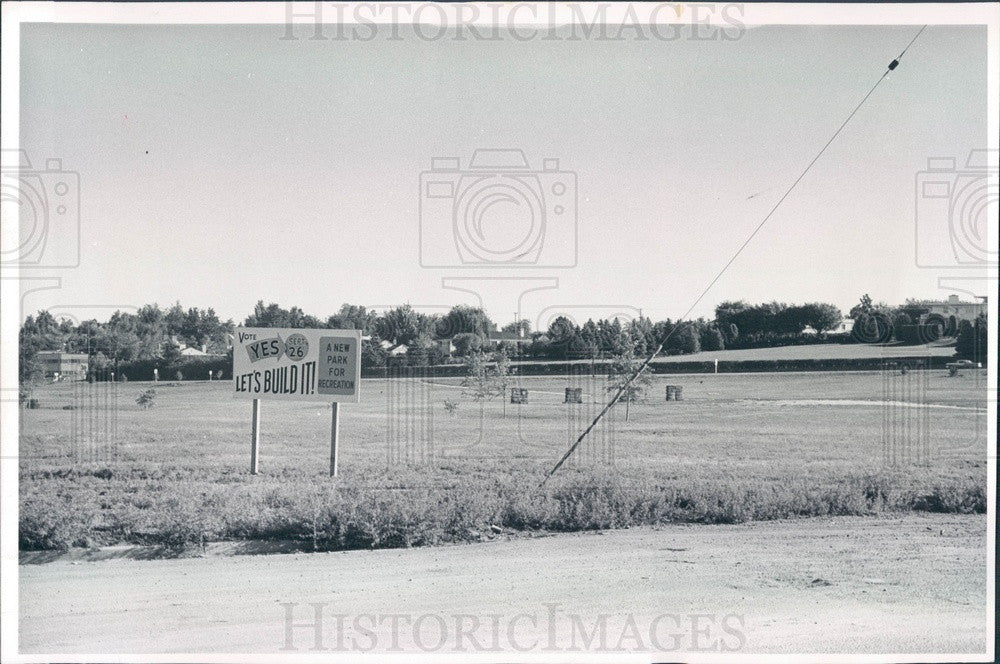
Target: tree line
[
  {"x": 912, "y": 323},
  {"x": 152, "y": 334}
]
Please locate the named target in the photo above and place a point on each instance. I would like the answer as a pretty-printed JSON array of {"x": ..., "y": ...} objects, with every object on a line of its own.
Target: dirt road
[{"x": 881, "y": 585}]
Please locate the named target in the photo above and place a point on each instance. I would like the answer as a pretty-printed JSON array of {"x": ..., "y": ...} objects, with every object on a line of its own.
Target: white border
[{"x": 212, "y": 13}]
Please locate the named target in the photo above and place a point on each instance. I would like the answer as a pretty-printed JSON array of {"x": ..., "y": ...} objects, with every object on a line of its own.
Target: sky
[{"x": 220, "y": 165}]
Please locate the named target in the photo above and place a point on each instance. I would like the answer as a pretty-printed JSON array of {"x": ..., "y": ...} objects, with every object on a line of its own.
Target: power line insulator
[{"x": 893, "y": 64}]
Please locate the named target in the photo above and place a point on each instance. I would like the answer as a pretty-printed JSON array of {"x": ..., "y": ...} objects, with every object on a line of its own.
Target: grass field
[
  {"x": 738, "y": 447},
  {"x": 823, "y": 351},
  {"x": 944, "y": 348}
]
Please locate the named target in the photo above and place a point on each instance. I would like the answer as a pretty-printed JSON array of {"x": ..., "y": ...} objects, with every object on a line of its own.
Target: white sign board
[{"x": 289, "y": 364}]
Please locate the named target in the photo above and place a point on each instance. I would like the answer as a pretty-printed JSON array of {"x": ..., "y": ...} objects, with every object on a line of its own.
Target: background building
[
  {"x": 953, "y": 306},
  {"x": 66, "y": 365}
]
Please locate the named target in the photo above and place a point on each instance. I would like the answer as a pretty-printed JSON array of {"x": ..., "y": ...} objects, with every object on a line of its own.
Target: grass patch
[
  {"x": 406, "y": 507},
  {"x": 737, "y": 448}
]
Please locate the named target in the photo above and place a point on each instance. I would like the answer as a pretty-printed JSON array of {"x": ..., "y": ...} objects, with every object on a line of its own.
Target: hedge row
[
  {"x": 692, "y": 366},
  {"x": 186, "y": 368},
  {"x": 197, "y": 368}
]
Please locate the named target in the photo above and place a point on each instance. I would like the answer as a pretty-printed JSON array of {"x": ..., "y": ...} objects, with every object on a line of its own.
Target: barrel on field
[
  {"x": 574, "y": 395},
  {"x": 518, "y": 395},
  {"x": 673, "y": 392}
]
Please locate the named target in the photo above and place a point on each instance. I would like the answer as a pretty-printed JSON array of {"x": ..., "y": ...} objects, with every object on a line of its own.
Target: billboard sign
[{"x": 288, "y": 364}]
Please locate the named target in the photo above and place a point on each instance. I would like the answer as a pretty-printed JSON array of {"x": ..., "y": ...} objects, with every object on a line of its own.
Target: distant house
[
  {"x": 496, "y": 338},
  {"x": 492, "y": 341},
  {"x": 398, "y": 350},
  {"x": 843, "y": 327},
  {"x": 191, "y": 351},
  {"x": 953, "y": 306},
  {"x": 62, "y": 364}
]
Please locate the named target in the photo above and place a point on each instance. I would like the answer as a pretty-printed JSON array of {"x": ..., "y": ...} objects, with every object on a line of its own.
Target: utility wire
[{"x": 621, "y": 390}]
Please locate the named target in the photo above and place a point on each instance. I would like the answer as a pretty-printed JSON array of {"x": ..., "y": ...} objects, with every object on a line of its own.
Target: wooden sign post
[
  {"x": 255, "y": 438},
  {"x": 334, "y": 435},
  {"x": 284, "y": 364}
]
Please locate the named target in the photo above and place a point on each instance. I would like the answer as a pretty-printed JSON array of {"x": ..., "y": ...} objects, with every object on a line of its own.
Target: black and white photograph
[{"x": 499, "y": 332}]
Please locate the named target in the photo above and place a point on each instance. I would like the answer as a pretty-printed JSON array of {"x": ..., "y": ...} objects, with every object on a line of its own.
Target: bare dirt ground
[{"x": 916, "y": 583}]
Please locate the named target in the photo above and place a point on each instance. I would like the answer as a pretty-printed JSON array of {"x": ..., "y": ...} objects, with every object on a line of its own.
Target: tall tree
[
  {"x": 463, "y": 319},
  {"x": 521, "y": 328},
  {"x": 400, "y": 326},
  {"x": 820, "y": 316},
  {"x": 972, "y": 340},
  {"x": 353, "y": 317}
]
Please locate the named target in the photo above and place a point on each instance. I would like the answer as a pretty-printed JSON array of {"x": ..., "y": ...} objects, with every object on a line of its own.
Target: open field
[
  {"x": 911, "y": 583},
  {"x": 822, "y": 351},
  {"x": 737, "y": 448}
]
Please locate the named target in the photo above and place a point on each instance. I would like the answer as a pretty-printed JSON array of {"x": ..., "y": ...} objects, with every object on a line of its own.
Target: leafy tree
[
  {"x": 467, "y": 343},
  {"x": 273, "y": 315},
  {"x": 417, "y": 352},
  {"x": 866, "y": 306},
  {"x": 564, "y": 339},
  {"x": 872, "y": 328},
  {"x": 508, "y": 348},
  {"x": 640, "y": 333},
  {"x": 711, "y": 338},
  {"x": 171, "y": 353},
  {"x": 562, "y": 330},
  {"x": 119, "y": 344},
  {"x": 522, "y": 328},
  {"x": 820, "y": 316},
  {"x": 353, "y": 317},
  {"x": 726, "y": 312},
  {"x": 971, "y": 343},
  {"x": 623, "y": 366},
  {"x": 685, "y": 339},
  {"x": 482, "y": 381},
  {"x": 861, "y": 308},
  {"x": 372, "y": 353},
  {"x": 662, "y": 331},
  {"x": 463, "y": 319},
  {"x": 400, "y": 326},
  {"x": 610, "y": 336},
  {"x": 503, "y": 374},
  {"x": 622, "y": 342},
  {"x": 30, "y": 372},
  {"x": 590, "y": 339}
]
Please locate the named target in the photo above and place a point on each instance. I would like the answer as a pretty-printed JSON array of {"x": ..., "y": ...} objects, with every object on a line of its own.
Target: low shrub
[{"x": 455, "y": 502}]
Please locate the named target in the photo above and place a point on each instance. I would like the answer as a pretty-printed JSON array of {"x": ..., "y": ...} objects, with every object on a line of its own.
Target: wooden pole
[
  {"x": 334, "y": 435},
  {"x": 255, "y": 438}
]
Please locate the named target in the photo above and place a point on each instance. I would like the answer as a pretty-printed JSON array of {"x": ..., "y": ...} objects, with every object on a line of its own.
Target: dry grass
[{"x": 736, "y": 449}]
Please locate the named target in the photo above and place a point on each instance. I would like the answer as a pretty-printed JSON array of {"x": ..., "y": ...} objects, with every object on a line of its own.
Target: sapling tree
[{"x": 623, "y": 365}]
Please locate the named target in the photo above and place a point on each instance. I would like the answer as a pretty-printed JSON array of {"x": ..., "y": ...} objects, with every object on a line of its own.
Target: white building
[{"x": 953, "y": 306}]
